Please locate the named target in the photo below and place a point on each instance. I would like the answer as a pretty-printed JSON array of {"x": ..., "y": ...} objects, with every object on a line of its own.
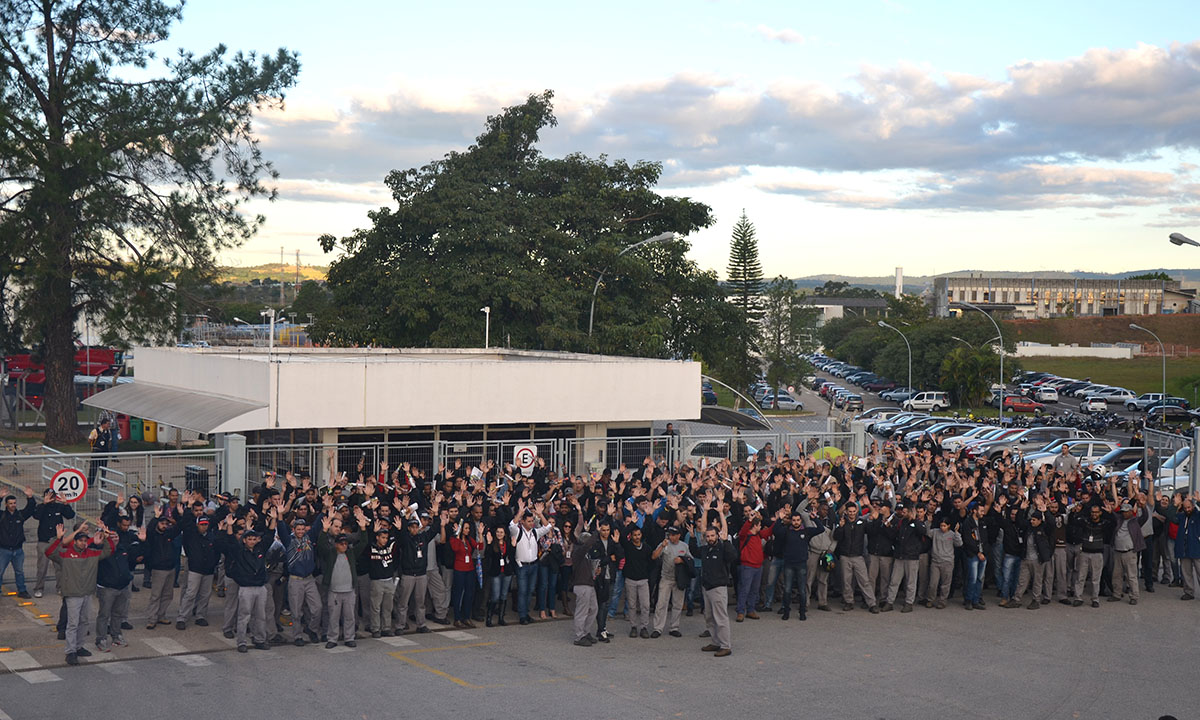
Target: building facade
[{"x": 1029, "y": 298}]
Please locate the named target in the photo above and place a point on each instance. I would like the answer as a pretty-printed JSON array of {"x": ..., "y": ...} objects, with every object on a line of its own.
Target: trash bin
[
  {"x": 123, "y": 426},
  {"x": 196, "y": 477},
  {"x": 150, "y": 431},
  {"x": 135, "y": 429}
]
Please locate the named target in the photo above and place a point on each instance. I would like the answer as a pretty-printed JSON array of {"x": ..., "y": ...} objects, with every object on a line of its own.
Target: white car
[
  {"x": 1093, "y": 404},
  {"x": 929, "y": 400},
  {"x": 1116, "y": 395},
  {"x": 1045, "y": 394},
  {"x": 780, "y": 400},
  {"x": 1085, "y": 450}
]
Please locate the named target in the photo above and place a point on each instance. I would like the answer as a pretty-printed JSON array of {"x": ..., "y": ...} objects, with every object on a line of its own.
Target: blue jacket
[{"x": 1187, "y": 541}]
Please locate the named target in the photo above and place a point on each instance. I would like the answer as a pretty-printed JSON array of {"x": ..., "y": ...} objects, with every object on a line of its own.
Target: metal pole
[
  {"x": 1000, "y": 335},
  {"x": 657, "y": 238},
  {"x": 907, "y": 345},
  {"x": 1162, "y": 350}
]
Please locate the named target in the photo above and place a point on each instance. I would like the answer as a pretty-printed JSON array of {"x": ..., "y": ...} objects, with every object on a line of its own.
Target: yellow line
[
  {"x": 403, "y": 655},
  {"x": 398, "y": 653}
]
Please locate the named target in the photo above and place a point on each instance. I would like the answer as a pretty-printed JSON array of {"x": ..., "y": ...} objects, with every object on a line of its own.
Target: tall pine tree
[
  {"x": 745, "y": 287},
  {"x": 745, "y": 271}
]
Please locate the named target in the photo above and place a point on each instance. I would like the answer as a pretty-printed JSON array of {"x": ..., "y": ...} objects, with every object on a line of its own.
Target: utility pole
[
  {"x": 281, "y": 276},
  {"x": 296, "y": 285}
]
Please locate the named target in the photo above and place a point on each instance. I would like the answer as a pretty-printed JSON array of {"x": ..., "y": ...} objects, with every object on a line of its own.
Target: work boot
[
  {"x": 500, "y": 613},
  {"x": 491, "y": 610},
  {"x": 907, "y": 608}
]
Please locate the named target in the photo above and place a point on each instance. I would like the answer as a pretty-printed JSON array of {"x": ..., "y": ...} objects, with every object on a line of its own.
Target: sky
[{"x": 857, "y": 137}]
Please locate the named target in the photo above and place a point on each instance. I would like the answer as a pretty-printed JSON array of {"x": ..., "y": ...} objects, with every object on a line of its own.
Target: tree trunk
[{"x": 58, "y": 398}]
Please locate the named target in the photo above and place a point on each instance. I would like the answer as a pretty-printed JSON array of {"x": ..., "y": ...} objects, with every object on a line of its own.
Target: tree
[
  {"x": 909, "y": 309},
  {"x": 113, "y": 181},
  {"x": 501, "y": 225},
  {"x": 786, "y": 332},
  {"x": 962, "y": 371},
  {"x": 1160, "y": 275},
  {"x": 837, "y": 288},
  {"x": 312, "y": 298},
  {"x": 745, "y": 272}
]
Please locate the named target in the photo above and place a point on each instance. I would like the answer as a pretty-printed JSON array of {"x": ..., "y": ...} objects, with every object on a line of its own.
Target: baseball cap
[
  {"x": 674, "y": 531},
  {"x": 1126, "y": 507}
]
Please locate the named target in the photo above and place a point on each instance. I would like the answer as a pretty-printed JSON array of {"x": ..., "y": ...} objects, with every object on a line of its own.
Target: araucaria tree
[
  {"x": 744, "y": 287},
  {"x": 119, "y": 170}
]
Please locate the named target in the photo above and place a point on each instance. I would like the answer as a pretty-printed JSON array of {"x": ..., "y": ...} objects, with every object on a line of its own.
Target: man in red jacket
[{"x": 750, "y": 544}]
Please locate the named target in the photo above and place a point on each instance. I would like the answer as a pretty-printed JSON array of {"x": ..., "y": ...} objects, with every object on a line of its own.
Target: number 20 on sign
[{"x": 69, "y": 484}]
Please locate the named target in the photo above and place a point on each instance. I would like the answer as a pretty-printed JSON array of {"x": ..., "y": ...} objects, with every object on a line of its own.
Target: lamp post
[
  {"x": 1163, "y": 351},
  {"x": 881, "y": 323},
  {"x": 487, "y": 325},
  {"x": 971, "y": 344},
  {"x": 1000, "y": 336},
  {"x": 657, "y": 238},
  {"x": 1181, "y": 239}
]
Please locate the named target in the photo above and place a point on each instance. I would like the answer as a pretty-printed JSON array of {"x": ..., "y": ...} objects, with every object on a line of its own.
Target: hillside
[
  {"x": 242, "y": 275},
  {"x": 1183, "y": 330}
]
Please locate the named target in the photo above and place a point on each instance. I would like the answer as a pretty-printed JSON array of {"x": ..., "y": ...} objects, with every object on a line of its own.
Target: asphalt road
[{"x": 1117, "y": 661}]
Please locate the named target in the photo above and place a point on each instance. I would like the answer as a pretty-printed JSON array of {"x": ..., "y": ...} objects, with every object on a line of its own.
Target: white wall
[
  {"x": 1118, "y": 353},
  {"x": 212, "y": 373}
]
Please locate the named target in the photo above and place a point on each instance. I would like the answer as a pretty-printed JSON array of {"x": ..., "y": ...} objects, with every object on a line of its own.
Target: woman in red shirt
[
  {"x": 462, "y": 593},
  {"x": 750, "y": 543}
]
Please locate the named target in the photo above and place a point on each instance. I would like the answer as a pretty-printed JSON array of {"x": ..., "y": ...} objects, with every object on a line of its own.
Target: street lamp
[
  {"x": 657, "y": 238},
  {"x": 1000, "y": 337},
  {"x": 1181, "y": 239},
  {"x": 911, "y": 389},
  {"x": 487, "y": 325},
  {"x": 1162, "y": 350},
  {"x": 971, "y": 344}
]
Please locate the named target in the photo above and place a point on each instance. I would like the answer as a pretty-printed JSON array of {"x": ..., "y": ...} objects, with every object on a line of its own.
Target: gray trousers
[
  {"x": 923, "y": 578},
  {"x": 1189, "y": 568},
  {"x": 637, "y": 595},
  {"x": 412, "y": 587},
  {"x": 1164, "y": 555},
  {"x": 162, "y": 591},
  {"x": 670, "y": 605},
  {"x": 43, "y": 567},
  {"x": 854, "y": 570},
  {"x": 585, "y": 610},
  {"x": 442, "y": 609},
  {"x": 252, "y": 614},
  {"x": 906, "y": 571},
  {"x": 817, "y": 576},
  {"x": 362, "y": 590},
  {"x": 341, "y": 616},
  {"x": 879, "y": 573},
  {"x": 716, "y": 615},
  {"x": 383, "y": 593},
  {"x": 114, "y": 610},
  {"x": 1089, "y": 567},
  {"x": 231, "y": 606},
  {"x": 195, "y": 597},
  {"x": 439, "y": 592},
  {"x": 1073, "y": 553},
  {"x": 304, "y": 599},
  {"x": 940, "y": 574},
  {"x": 1061, "y": 571},
  {"x": 1125, "y": 569},
  {"x": 78, "y": 611},
  {"x": 1038, "y": 574}
]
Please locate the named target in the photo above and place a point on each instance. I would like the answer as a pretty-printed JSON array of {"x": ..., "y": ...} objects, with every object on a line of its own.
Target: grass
[
  {"x": 1140, "y": 375},
  {"x": 1173, "y": 329}
]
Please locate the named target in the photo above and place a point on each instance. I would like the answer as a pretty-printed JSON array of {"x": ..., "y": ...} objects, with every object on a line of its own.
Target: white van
[{"x": 928, "y": 400}]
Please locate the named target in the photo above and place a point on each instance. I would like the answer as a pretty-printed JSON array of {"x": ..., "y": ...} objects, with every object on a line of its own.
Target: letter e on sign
[
  {"x": 524, "y": 457},
  {"x": 69, "y": 484}
]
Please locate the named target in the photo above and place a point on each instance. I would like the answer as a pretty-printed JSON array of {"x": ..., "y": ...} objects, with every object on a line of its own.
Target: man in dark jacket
[
  {"x": 160, "y": 560},
  {"x": 1127, "y": 544},
  {"x": 50, "y": 514},
  {"x": 716, "y": 557},
  {"x": 1036, "y": 569},
  {"x": 200, "y": 544},
  {"x": 908, "y": 535},
  {"x": 1094, "y": 528},
  {"x": 304, "y": 598},
  {"x": 114, "y": 580},
  {"x": 792, "y": 536},
  {"x": 339, "y": 565},
  {"x": 414, "y": 566},
  {"x": 851, "y": 537},
  {"x": 12, "y": 538},
  {"x": 246, "y": 565}
]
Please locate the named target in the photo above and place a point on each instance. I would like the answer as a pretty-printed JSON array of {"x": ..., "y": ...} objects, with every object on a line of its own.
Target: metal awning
[
  {"x": 717, "y": 415},
  {"x": 200, "y": 412}
]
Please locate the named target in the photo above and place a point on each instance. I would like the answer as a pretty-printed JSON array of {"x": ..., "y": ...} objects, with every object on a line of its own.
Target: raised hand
[{"x": 59, "y": 530}]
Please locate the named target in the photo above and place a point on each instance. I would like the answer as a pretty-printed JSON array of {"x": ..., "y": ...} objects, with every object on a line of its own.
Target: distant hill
[
  {"x": 275, "y": 271},
  {"x": 917, "y": 283}
]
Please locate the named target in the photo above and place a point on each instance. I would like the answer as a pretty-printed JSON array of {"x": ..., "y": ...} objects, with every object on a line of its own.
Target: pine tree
[{"x": 745, "y": 271}]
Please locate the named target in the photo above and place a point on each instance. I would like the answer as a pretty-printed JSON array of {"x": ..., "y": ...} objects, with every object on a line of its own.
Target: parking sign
[{"x": 524, "y": 457}]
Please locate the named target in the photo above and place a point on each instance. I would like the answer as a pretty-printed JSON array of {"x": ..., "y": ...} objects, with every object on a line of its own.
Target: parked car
[
  {"x": 1147, "y": 399},
  {"x": 1119, "y": 460},
  {"x": 928, "y": 400},
  {"x": 897, "y": 395},
  {"x": 1037, "y": 437},
  {"x": 708, "y": 396},
  {"x": 952, "y": 444},
  {"x": 713, "y": 450},
  {"x": 1093, "y": 404},
  {"x": 879, "y": 385},
  {"x": 1045, "y": 395},
  {"x": 781, "y": 400},
  {"x": 853, "y": 402},
  {"x": 1084, "y": 450},
  {"x": 1116, "y": 395},
  {"x": 1016, "y": 403},
  {"x": 1172, "y": 412}
]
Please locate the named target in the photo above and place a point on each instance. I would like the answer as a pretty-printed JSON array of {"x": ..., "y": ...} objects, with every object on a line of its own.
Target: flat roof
[{"x": 405, "y": 355}]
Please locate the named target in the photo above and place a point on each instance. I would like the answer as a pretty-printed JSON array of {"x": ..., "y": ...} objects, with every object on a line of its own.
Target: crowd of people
[{"x": 361, "y": 552}]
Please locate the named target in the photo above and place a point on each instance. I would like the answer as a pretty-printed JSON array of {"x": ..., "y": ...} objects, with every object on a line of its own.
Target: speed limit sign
[
  {"x": 523, "y": 457},
  {"x": 69, "y": 484}
]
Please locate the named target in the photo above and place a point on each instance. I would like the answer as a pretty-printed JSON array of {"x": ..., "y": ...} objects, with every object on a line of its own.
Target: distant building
[
  {"x": 1028, "y": 298},
  {"x": 836, "y": 307}
]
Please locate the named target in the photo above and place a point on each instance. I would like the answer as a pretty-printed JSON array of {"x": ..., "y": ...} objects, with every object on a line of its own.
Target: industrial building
[{"x": 1029, "y": 298}]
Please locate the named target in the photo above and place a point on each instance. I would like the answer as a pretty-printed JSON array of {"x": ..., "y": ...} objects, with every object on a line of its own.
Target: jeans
[
  {"x": 526, "y": 578},
  {"x": 747, "y": 592},
  {"x": 695, "y": 593},
  {"x": 462, "y": 594},
  {"x": 17, "y": 559},
  {"x": 500, "y": 585},
  {"x": 547, "y": 587},
  {"x": 795, "y": 576},
  {"x": 997, "y": 558},
  {"x": 973, "y": 588},
  {"x": 618, "y": 589},
  {"x": 771, "y": 573},
  {"x": 1008, "y": 584}
]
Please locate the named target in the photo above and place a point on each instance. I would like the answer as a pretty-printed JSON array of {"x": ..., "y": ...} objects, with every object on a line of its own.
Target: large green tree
[
  {"x": 118, "y": 168},
  {"x": 787, "y": 332},
  {"x": 502, "y": 225}
]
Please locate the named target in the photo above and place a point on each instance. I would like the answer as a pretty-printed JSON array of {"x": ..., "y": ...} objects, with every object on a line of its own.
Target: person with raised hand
[{"x": 77, "y": 563}]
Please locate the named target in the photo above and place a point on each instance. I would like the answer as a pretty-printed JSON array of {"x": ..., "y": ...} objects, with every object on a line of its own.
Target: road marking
[
  {"x": 5, "y": 716},
  {"x": 123, "y": 667},
  {"x": 459, "y": 635},
  {"x": 33, "y": 677},
  {"x": 193, "y": 660},
  {"x": 405, "y": 656},
  {"x": 18, "y": 660},
  {"x": 165, "y": 646},
  {"x": 339, "y": 649},
  {"x": 397, "y": 641}
]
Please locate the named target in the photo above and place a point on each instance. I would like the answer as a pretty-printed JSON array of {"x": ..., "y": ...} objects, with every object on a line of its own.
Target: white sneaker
[{"x": 37, "y": 593}]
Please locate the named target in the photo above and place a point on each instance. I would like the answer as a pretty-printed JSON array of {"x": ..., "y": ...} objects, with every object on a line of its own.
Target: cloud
[
  {"x": 1048, "y": 134},
  {"x": 786, "y": 36}
]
